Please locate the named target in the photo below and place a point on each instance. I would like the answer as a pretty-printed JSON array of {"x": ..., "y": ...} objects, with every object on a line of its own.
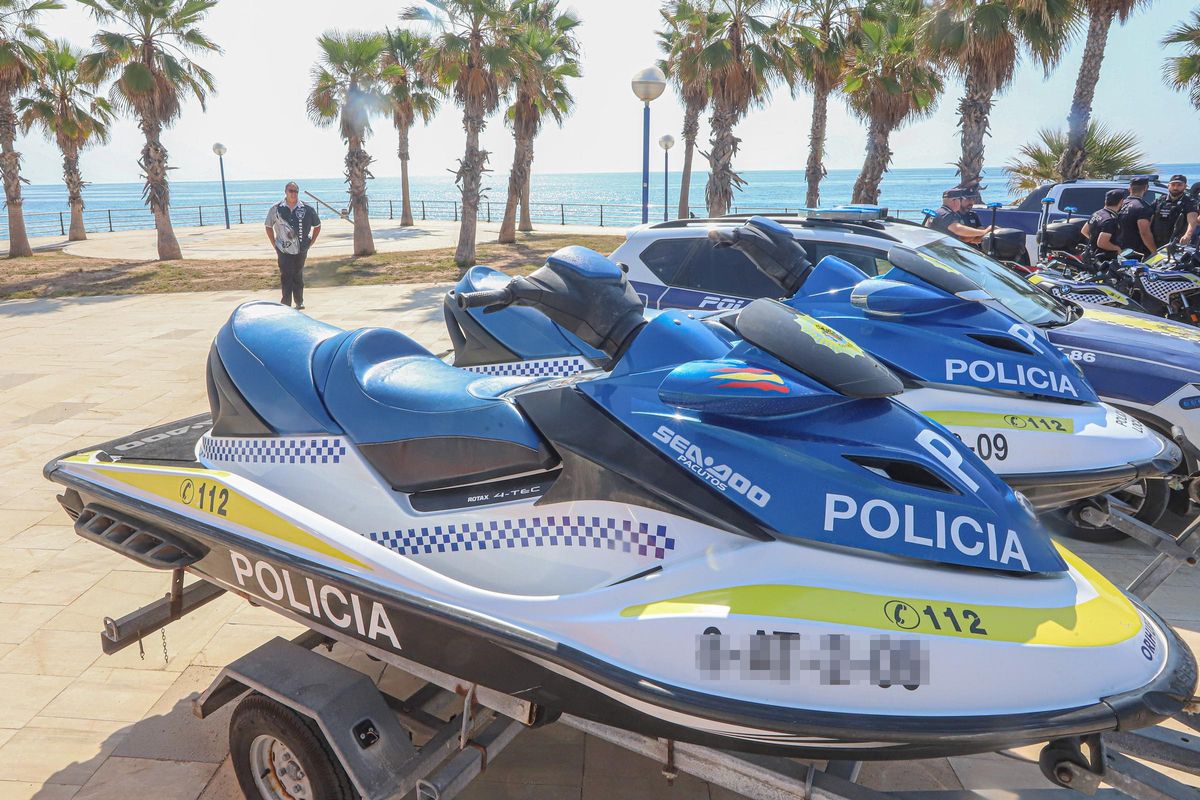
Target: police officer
[
  {"x": 970, "y": 218},
  {"x": 1101, "y": 228},
  {"x": 949, "y": 218},
  {"x": 1174, "y": 214},
  {"x": 1134, "y": 217}
]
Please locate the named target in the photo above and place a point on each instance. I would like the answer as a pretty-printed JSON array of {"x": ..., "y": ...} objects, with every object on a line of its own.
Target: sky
[{"x": 269, "y": 47}]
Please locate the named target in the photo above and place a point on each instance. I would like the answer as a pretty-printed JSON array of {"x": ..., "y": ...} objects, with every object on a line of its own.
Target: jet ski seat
[
  {"x": 420, "y": 422},
  {"x": 267, "y": 351}
]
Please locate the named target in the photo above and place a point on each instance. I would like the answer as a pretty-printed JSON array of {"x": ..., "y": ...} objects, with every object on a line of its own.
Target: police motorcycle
[
  {"x": 997, "y": 384},
  {"x": 1167, "y": 284},
  {"x": 750, "y": 546},
  {"x": 1085, "y": 278}
]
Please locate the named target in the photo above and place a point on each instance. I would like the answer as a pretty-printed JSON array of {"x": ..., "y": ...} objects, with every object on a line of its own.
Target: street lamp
[
  {"x": 648, "y": 85},
  {"x": 221, "y": 150},
  {"x": 666, "y": 142}
]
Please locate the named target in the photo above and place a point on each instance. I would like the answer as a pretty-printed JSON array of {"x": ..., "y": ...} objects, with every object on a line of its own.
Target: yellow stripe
[
  {"x": 1015, "y": 422},
  {"x": 1106, "y": 619},
  {"x": 182, "y": 486}
]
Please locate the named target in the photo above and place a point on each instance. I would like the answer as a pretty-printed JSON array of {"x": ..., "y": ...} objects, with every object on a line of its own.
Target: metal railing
[{"x": 615, "y": 215}]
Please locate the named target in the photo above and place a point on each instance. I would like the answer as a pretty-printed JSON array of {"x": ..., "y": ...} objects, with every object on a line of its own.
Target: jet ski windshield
[
  {"x": 813, "y": 348},
  {"x": 1027, "y": 302}
]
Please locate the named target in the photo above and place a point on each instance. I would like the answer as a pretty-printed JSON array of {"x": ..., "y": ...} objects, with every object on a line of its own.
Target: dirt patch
[{"x": 60, "y": 275}]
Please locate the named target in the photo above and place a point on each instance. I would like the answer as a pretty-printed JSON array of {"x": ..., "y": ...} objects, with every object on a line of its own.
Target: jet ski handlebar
[
  {"x": 489, "y": 299},
  {"x": 770, "y": 247}
]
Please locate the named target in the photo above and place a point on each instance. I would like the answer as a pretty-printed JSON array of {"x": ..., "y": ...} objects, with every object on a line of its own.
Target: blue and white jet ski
[
  {"x": 750, "y": 546},
  {"x": 997, "y": 383}
]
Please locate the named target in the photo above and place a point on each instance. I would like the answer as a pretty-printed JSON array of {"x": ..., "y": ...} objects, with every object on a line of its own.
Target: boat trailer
[{"x": 437, "y": 739}]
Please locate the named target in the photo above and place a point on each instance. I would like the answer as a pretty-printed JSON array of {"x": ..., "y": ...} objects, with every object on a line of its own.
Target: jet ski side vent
[
  {"x": 906, "y": 472},
  {"x": 1002, "y": 343},
  {"x": 135, "y": 539}
]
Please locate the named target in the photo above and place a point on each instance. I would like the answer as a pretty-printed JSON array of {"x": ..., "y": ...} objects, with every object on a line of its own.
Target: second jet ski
[{"x": 997, "y": 383}]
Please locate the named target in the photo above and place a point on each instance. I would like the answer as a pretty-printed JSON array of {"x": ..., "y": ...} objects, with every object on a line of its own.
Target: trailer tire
[
  {"x": 1153, "y": 504},
  {"x": 263, "y": 734}
]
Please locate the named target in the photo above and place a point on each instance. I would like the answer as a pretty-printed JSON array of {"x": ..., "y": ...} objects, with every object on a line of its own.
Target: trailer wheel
[
  {"x": 1146, "y": 501},
  {"x": 281, "y": 755}
]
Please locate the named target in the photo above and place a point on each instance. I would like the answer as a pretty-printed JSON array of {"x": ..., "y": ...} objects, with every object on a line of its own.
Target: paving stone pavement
[{"x": 77, "y": 724}]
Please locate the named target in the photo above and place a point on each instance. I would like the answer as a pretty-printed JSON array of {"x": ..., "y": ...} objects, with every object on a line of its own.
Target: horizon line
[{"x": 577, "y": 172}]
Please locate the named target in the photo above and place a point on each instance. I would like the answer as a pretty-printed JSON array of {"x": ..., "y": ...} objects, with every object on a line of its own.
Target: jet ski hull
[{"x": 481, "y": 646}]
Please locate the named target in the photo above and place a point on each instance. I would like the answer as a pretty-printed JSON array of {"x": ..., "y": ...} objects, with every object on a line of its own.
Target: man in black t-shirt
[
  {"x": 1134, "y": 220},
  {"x": 1101, "y": 228},
  {"x": 292, "y": 228},
  {"x": 949, "y": 218},
  {"x": 1174, "y": 214}
]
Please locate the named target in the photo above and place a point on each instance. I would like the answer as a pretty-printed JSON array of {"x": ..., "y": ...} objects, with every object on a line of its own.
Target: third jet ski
[
  {"x": 752, "y": 547},
  {"x": 994, "y": 381}
]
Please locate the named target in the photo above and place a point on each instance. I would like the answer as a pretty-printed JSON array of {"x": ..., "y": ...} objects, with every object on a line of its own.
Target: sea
[{"x": 599, "y": 198}]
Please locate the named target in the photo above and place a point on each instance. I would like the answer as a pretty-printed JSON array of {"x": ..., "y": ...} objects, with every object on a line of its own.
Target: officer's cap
[{"x": 1114, "y": 196}]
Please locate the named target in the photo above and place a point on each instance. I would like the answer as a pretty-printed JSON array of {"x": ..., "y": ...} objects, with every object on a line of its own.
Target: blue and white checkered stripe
[
  {"x": 1163, "y": 288},
  {"x": 538, "y": 368},
  {"x": 609, "y": 533},
  {"x": 323, "y": 450}
]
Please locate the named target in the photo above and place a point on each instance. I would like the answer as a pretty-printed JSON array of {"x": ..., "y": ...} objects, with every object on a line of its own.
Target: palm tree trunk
[
  {"x": 1070, "y": 165},
  {"x": 879, "y": 155},
  {"x": 526, "y": 225},
  {"x": 469, "y": 179},
  {"x": 358, "y": 164},
  {"x": 10, "y": 169},
  {"x": 718, "y": 194},
  {"x": 691, "y": 128},
  {"x": 814, "y": 171},
  {"x": 158, "y": 190},
  {"x": 406, "y": 217},
  {"x": 74, "y": 182},
  {"x": 974, "y": 110},
  {"x": 518, "y": 177}
]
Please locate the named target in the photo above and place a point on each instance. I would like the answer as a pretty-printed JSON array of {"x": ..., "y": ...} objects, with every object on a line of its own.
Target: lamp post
[
  {"x": 221, "y": 150},
  {"x": 666, "y": 142},
  {"x": 647, "y": 85}
]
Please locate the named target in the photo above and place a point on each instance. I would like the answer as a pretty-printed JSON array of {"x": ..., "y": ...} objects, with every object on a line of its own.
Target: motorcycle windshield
[{"x": 1020, "y": 298}]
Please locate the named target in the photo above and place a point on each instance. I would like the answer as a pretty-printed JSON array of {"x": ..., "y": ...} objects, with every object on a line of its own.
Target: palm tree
[
  {"x": 745, "y": 57},
  {"x": 346, "y": 89},
  {"x": 68, "y": 111},
  {"x": 688, "y": 28},
  {"x": 473, "y": 54},
  {"x": 1100, "y": 18},
  {"x": 889, "y": 81},
  {"x": 410, "y": 96},
  {"x": 20, "y": 43},
  {"x": 547, "y": 58},
  {"x": 1109, "y": 154},
  {"x": 820, "y": 55},
  {"x": 149, "y": 57},
  {"x": 981, "y": 40},
  {"x": 1183, "y": 72}
]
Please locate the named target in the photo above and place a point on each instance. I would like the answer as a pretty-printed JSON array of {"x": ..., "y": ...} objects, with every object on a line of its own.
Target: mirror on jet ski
[
  {"x": 771, "y": 248},
  {"x": 581, "y": 290},
  {"x": 881, "y": 298}
]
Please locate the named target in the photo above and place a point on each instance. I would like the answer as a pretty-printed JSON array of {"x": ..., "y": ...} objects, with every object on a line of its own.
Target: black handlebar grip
[{"x": 488, "y": 297}]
